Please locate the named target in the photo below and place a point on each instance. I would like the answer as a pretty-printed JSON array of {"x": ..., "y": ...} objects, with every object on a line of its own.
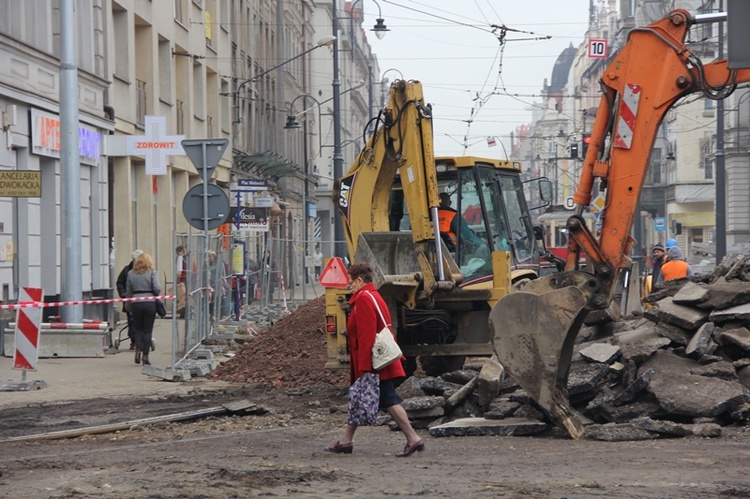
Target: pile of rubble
[
  {"x": 683, "y": 368},
  {"x": 292, "y": 352}
]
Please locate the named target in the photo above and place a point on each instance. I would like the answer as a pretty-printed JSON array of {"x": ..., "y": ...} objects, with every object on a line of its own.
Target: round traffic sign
[{"x": 218, "y": 206}]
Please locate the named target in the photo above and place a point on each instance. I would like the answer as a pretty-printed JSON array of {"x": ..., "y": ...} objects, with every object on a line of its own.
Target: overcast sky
[{"x": 449, "y": 46}]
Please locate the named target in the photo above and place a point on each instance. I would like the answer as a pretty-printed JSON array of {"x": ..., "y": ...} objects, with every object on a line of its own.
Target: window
[
  {"x": 140, "y": 102},
  {"x": 198, "y": 94},
  {"x": 180, "y": 6},
  {"x": 653, "y": 175},
  {"x": 165, "y": 71},
  {"x": 696, "y": 234},
  {"x": 120, "y": 27},
  {"x": 180, "y": 108},
  {"x": 706, "y": 162}
]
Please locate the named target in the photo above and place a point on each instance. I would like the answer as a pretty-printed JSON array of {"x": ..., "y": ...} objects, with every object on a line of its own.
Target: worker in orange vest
[
  {"x": 674, "y": 266},
  {"x": 449, "y": 223}
]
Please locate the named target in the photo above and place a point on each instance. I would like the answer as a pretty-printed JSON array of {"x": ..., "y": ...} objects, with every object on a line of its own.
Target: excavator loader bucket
[
  {"x": 402, "y": 268},
  {"x": 534, "y": 332}
]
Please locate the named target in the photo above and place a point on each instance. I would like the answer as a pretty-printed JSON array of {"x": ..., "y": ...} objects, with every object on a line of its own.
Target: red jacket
[{"x": 362, "y": 325}]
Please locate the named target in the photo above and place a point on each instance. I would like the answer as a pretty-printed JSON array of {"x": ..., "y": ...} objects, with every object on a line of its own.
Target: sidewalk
[
  {"x": 113, "y": 375},
  {"x": 116, "y": 374}
]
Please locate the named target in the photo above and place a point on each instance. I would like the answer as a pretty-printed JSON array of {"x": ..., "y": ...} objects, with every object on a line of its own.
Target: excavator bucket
[
  {"x": 402, "y": 268},
  {"x": 534, "y": 332}
]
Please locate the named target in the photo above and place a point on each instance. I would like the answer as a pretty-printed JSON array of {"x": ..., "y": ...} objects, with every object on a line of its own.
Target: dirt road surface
[{"x": 280, "y": 453}]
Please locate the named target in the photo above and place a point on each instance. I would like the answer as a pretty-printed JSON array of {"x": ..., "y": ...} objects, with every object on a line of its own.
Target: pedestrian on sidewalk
[
  {"x": 362, "y": 325},
  {"x": 317, "y": 262},
  {"x": 143, "y": 281},
  {"x": 121, "y": 292}
]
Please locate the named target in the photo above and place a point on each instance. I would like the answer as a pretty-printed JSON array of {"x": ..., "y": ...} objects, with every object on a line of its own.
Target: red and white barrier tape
[
  {"x": 70, "y": 325},
  {"x": 39, "y": 304}
]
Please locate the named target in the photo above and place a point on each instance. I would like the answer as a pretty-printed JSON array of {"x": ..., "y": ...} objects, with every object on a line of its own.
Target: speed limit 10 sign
[{"x": 597, "y": 48}]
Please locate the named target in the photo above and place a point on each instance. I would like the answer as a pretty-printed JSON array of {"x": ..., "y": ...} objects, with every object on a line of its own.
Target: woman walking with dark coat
[
  {"x": 363, "y": 324},
  {"x": 143, "y": 281}
]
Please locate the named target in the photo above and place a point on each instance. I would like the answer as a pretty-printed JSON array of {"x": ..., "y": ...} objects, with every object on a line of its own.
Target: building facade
[{"x": 31, "y": 228}]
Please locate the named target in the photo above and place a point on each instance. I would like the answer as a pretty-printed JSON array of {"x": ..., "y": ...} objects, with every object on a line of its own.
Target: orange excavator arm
[
  {"x": 646, "y": 78},
  {"x": 535, "y": 329}
]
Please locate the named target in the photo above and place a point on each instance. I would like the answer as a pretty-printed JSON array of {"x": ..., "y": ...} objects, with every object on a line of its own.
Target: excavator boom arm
[{"x": 641, "y": 84}]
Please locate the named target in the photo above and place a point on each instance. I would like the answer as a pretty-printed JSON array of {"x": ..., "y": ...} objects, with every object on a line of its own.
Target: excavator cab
[{"x": 483, "y": 209}]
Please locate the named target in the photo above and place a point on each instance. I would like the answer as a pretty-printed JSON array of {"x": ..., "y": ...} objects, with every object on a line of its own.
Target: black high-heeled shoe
[
  {"x": 411, "y": 449},
  {"x": 338, "y": 448}
]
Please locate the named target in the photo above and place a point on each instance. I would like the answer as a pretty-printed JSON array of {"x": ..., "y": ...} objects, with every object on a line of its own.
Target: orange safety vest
[
  {"x": 674, "y": 269},
  {"x": 445, "y": 218}
]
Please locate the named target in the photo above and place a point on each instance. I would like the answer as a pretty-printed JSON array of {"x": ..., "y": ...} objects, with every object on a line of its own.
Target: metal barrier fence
[{"x": 237, "y": 277}]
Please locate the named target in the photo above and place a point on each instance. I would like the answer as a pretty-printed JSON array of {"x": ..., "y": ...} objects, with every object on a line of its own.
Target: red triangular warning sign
[{"x": 334, "y": 274}]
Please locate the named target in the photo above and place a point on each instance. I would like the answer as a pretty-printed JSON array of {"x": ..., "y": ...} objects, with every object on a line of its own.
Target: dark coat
[
  {"x": 122, "y": 279},
  {"x": 362, "y": 325}
]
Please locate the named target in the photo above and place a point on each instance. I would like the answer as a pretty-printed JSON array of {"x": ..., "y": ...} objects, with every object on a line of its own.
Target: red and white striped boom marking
[{"x": 628, "y": 112}]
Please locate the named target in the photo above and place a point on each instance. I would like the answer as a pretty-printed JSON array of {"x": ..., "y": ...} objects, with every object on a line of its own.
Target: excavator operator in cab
[{"x": 451, "y": 225}]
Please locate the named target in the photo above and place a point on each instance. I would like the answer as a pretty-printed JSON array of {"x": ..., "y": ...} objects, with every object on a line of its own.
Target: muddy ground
[
  {"x": 278, "y": 450},
  {"x": 279, "y": 453}
]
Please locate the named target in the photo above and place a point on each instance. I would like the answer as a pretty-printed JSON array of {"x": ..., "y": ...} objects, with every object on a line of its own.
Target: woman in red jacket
[{"x": 362, "y": 325}]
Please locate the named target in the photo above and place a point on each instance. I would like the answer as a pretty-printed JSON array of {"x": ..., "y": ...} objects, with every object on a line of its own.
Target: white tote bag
[{"x": 385, "y": 351}]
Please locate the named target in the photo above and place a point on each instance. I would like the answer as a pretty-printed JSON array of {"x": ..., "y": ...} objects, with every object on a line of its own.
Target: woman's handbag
[
  {"x": 385, "y": 350},
  {"x": 364, "y": 400},
  {"x": 161, "y": 310}
]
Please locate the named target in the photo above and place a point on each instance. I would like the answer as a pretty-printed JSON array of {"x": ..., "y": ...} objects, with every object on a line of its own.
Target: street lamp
[
  {"x": 339, "y": 245},
  {"x": 292, "y": 123},
  {"x": 380, "y": 29},
  {"x": 323, "y": 42}
]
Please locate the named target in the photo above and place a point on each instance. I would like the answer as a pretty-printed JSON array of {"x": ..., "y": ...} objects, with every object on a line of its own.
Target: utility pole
[
  {"x": 721, "y": 188},
  {"x": 339, "y": 246},
  {"x": 71, "y": 276}
]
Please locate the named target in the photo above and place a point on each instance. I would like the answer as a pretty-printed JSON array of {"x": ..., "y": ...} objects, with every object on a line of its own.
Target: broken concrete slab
[
  {"x": 678, "y": 315},
  {"x": 490, "y": 378},
  {"x": 737, "y": 337},
  {"x": 502, "y": 408},
  {"x": 529, "y": 411},
  {"x": 691, "y": 294},
  {"x": 614, "y": 432},
  {"x": 432, "y": 413},
  {"x": 460, "y": 377},
  {"x": 461, "y": 394},
  {"x": 744, "y": 376},
  {"x": 675, "y": 334},
  {"x": 411, "y": 387},
  {"x": 603, "y": 353},
  {"x": 641, "y": 347},
  {"x": 706, "y": 430},
  {"x": 422, "y": 403},
  {"x": 738, "y": 313},
  {"x": 662, "y": 427},
  {"x": 628, "y": 412},
  {"x": 722, "y": 370},
  {"x": 586, "y": 377},
  {"x": 681, "y": 393},
  {"x": 700, "y": 341},
  {"x": 488, "y": 427},
  {"x": 635, "y": 388},
  {"x": 438, "y": 386},
  {"x": 723, "y": 295}
]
